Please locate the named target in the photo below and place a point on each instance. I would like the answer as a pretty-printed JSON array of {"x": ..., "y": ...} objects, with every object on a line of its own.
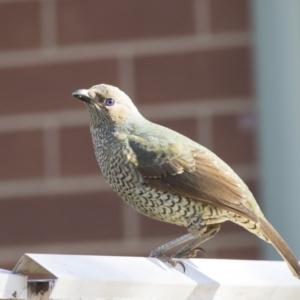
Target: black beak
[{"x": 82, "y": 95}]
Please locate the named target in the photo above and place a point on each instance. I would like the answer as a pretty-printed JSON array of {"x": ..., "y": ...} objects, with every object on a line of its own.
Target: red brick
[
  {"x": 21, "y": 155},
  {"x": 104, "y": 20},
  {"x": 206, "y": 74},
  {"x": 49, "y": 87},
  {"x": 77, "y": 153},
  {"x": 154, "y": 228},
  {"x": 234, "y": 138},
  {"x": 229, "y": 15},
  {"x": 20, "y": 25},
  {"x": 253, "y": 186},
  {"x": 239, "y": 253},
  {"x": 187, "y": 127},
  {"x": 46, "y": 219}
]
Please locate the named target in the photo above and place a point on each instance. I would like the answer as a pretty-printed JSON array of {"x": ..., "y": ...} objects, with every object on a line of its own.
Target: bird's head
[{"x": 108, "y": 105}]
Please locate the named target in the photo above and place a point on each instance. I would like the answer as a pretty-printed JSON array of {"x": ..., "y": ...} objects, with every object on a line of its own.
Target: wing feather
[{"x": 191, "y": 172}]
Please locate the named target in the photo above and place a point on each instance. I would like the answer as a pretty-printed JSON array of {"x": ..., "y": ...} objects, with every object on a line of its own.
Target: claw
[
  {"x": 182, "y": 264},
  {"x": 170, "y": 261},
  {"x": 190, "y": 253},
  {"x": 194, "y": 252},
  {"x": 175, "y": 262}
]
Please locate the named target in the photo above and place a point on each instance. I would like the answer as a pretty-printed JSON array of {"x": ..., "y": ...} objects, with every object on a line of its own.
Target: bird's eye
[{"x": 109, "y": 102}]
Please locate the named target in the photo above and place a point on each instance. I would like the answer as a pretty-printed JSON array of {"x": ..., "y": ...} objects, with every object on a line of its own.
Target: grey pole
[{"x": 276, "y": 26}]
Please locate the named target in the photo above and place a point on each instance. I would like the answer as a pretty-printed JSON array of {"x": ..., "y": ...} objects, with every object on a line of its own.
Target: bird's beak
[{"x": 82, "y": 95}]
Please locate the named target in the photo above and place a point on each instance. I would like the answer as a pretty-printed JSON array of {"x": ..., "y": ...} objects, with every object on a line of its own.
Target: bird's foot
[
  {"x": 170, "y": 260},
  {"x": 189, "y": 253}
]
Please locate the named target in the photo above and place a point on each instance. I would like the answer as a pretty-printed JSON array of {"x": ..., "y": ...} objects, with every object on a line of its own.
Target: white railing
[{"x": 109, "y": 277}]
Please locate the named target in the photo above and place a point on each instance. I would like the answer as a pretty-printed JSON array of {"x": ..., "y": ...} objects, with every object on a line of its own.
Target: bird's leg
[
  {"x": 198, "y": 233},
  {"x": 178, "y": 241},
  {"x": 195, "y": 228},
  {"x": 159, "y": 252},
  {"x": 191, "y": 249}
]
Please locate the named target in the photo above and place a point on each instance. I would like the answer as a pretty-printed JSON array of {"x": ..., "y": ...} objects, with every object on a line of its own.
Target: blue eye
[{"x": 109, "y": 101}]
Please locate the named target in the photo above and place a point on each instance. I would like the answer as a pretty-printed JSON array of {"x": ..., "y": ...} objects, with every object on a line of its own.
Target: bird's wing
[{"x": 193, "y": 173}]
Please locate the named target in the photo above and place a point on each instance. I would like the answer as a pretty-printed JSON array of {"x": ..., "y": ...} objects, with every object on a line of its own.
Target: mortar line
[
  {"x": 51, "y": 149},
  {"x": 181, "y": 109},
  {"x": 205, "y": 133},
  {"x": 117, "y": 49},
  {"x": 48, "y": 23},
  {"x": 127, "y": 76},
  {"x": 202, "y": 16}
]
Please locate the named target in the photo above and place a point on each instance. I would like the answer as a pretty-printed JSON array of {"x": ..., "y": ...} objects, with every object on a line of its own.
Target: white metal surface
[
  {"x": 12, "y": 285},
  {"x": 246, "y": 279},
  {"x": 109, "y": 277}
]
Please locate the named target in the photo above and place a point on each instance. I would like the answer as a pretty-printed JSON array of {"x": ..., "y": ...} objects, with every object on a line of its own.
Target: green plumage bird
[{"x": 166, "y": 176}]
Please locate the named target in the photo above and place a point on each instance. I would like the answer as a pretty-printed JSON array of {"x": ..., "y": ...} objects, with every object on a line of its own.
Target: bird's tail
[{"x": 283, "y": 249}]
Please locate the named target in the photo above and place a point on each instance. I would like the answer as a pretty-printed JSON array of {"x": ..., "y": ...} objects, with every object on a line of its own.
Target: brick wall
[{"x": 187, "y": 65}]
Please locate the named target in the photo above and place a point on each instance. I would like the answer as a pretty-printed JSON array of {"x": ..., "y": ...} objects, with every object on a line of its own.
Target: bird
[{"x": 171, "y": 178}]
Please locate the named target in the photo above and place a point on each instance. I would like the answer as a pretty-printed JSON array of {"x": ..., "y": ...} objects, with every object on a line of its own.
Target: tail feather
[{"x": 283, "y": 249}]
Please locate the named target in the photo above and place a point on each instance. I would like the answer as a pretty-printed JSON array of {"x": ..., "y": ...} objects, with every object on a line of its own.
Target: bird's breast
[{"x": 119, "y": 167}]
